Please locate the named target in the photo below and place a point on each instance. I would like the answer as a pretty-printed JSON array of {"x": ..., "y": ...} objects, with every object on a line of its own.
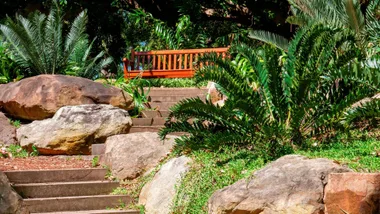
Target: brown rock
[
  {"x": 353, "y": 193},
  {"x": 73, "y": 129},
  {"x": 10, "y": 201},
  {"x": 39, "y": 97},
  {"x": 291, "y": 184},
  {"x": 7, "y": 131},
  {"x": 130, "y": 155}
]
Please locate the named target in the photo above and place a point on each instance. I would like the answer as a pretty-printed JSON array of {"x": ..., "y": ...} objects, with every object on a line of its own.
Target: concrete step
[
  {"x": 95, "y": 212},
  {"x": 154, "y": 113},
  {"x": 172, "y": 98},
  {"x": 158, "y": 121},
  {"x": 61, "y": 175},
  {"x": 161, "y": 106},
  {"x": 77, "y": 203},
  {"x": 64, "y": 189}
]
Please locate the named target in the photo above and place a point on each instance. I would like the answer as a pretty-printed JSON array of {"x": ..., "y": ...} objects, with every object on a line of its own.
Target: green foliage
[
  {"x": 80, "y": 64},
  {"x": 342, "y": 14},
  {"x": 9, "y": 71},
  {"x": 15, "y": 123},
  {"x": 276, "y": 100},
  {"x": 210, "y": 172},
  {"x": 135, "y": 88},
  {"x": 95, "y": 161},
  {"x": 184, "y": 35},
  {"x": 41, "y": 45},
  {"x": 174, "y": 83},
  {"x": 16, "y": 151}
]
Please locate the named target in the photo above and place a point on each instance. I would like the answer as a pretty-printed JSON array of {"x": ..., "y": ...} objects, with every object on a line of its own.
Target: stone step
[
  {"x": 135, "y": 129},
  {"x": 158, "y": 121},
  {"x": 154, "y": 113},
  {"x": 61, "y": 175},
  {"x": 161, "y": 106},
  {"x": 77, "y": 203},
  {"x": 64, "y": 189},
  {"x": 95, "y": 212},
  {"x": 172, "y": 98}
]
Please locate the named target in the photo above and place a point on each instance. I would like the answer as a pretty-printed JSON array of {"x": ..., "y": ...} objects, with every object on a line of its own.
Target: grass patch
[
  {"x": 174, "y": 83},
  {"x": 212, "y": 171},
  {"x": 359, "y": 155}
]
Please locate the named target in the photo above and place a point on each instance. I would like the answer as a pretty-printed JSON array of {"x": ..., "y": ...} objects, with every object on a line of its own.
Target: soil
[{"x": 44, "y": 162}]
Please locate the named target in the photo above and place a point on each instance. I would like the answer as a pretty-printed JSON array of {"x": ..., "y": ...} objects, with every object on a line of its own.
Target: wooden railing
[{"x": 166, "y": 63}]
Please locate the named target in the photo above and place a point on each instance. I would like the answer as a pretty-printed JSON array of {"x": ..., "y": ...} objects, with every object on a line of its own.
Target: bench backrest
[{"x": 166, "y": 63}]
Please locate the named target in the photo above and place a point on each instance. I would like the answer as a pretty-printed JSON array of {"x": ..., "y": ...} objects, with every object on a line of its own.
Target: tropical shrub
[
  {"x": 9, "y": 71},
  {"x": 40, "y": 45},
  {"x": 275, "y": 98}
]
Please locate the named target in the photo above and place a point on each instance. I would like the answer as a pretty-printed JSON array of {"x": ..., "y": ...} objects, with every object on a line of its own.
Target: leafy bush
[
  {"x": 9, "y": 71},
  {"x": 41, "y": 46},
  {"x": 276, "y": 99},
  {"x": 135, "y": 88}
]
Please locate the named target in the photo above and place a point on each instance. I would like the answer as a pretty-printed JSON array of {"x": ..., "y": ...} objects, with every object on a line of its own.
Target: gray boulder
[
  {"x": 7, "y": 131},
  {"x": 130, "y": 155},
  {"x": 10, "y": 201},
  {"x": 73, "y": 129},
  {"x": 291, "y": 184},
  {"x": 157, "y": 195}
]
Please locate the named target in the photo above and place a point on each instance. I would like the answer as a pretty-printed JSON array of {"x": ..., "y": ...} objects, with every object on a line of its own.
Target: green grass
[
  {"x": 212, "y": 171},
  {"x": 361, "y": 156},
  {"x": 174, "y": 83}
]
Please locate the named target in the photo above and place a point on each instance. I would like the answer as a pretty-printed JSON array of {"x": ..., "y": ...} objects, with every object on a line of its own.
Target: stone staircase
[
  {"x": 160, "y": 101},
  {"x": 84, "y": 191}
]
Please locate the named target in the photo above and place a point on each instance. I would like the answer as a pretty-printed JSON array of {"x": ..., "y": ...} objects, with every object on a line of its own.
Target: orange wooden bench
[{"x": 165, "y": 63}]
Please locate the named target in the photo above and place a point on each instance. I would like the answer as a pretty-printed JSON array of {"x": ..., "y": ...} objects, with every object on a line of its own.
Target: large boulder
[
  {"x": 291, "y": 184},
  {"x": 73, "y": 129},
  {"x": 353, "y": 193},
  {"x": 7, "y": 131},
  {"x": 128, "y": 156},
  {"x": 157, "y": 195},
  {"x": 40, "y": 97},
  {"x": 10, "y": 201}
]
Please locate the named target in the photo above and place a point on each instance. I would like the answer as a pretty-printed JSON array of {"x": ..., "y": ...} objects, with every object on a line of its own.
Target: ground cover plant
[{"x": 212, "y": 171}]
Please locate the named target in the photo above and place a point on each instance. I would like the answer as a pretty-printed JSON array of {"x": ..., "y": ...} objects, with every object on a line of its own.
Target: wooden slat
[
  {"x": 180, "y": 61},
  {"x": 170, "y": 62},
  {"x": 191, "y": 61},
  {"x": 138, "y": 62},
  {"x": 143, "y": 62},
  {"x": 158, "y": 61},
  {"x": 132, "y": 59},
  {"x": 149, "y": 62},
  {"x": 164, "y": 63},
  {"x": 154, "y": 62},
  {"x": 185, "y": 63},
  {"x": 175, "y": 61}
]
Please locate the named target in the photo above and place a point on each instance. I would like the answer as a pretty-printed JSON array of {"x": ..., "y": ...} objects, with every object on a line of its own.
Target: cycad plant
[
  {"x": 40, "y": 44},
  {"x": 82, "y": 65},
  {"x": 340, "y": 13},
  {"x": 276, "y": 99}
]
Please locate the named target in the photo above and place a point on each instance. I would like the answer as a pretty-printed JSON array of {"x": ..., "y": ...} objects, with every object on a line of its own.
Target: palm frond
[{"x": 270, "y": 38}]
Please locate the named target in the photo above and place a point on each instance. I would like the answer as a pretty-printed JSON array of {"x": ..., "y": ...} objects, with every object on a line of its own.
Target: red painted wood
[{"x": 161, "y": 64}]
